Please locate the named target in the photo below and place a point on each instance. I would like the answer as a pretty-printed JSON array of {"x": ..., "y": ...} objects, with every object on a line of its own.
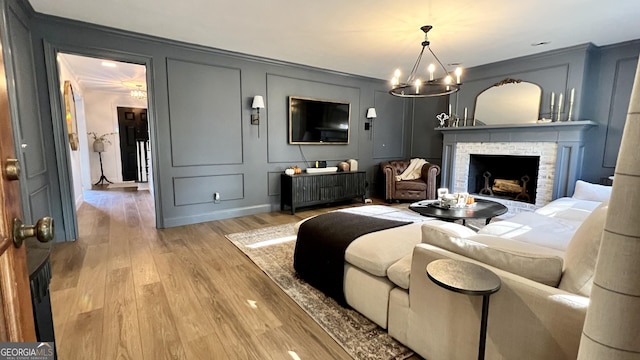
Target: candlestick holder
[{"x": 570, "y": 114}]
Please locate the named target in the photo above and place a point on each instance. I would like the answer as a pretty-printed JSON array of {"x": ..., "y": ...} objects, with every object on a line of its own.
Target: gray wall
[
  {"x": 602, "y": 77},
  {"x": 199, "y": 111}
]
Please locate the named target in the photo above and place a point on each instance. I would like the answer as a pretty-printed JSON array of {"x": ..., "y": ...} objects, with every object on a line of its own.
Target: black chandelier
[{"x": 415, "y": 87}]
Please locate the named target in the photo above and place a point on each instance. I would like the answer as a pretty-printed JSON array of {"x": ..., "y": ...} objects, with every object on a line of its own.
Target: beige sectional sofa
[{"x": 545, "y": 260}]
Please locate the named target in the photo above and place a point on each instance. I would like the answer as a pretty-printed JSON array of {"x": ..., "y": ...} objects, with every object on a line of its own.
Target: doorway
[
  {"x": 134, "y": 143},
  {"x": 101, "y": 87}
]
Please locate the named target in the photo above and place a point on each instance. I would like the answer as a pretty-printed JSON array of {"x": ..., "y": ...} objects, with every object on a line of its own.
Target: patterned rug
[{"x": 272, "y": 250}]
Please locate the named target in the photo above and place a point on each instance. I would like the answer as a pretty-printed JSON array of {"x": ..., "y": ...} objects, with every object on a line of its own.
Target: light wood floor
[{"x": 125, "y": 290}]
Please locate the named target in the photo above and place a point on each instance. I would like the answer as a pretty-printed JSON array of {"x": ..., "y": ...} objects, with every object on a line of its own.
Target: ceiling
[
  {"x": 93, "y": 74},
  {"x": 367, "y": 37}
]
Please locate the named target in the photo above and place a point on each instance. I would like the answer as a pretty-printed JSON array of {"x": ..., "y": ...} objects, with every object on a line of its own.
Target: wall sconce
[
  {"x": 371, "y": 114},
  {"x": 258, "y": 103}
]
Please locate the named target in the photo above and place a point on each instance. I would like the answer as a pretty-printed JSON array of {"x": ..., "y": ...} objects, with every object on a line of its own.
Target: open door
[{"x": 16, "y": 316}]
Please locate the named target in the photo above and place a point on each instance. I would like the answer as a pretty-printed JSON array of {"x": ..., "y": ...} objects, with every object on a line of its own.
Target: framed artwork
[{"x": 70, "y": 115}]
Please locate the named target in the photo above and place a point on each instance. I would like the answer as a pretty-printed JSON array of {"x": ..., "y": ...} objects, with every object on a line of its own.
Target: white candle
[
  {"x": 449, "y": 109},
  {"x": 573, "y": 93},
  {"x": 553, "y": 97},
  {"x": 465, "y": 115},
  {"x": 559, "y": 106}
]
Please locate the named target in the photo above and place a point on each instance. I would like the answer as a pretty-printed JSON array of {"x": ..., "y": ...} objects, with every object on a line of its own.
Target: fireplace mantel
[
  {"x": 568, "y": 136},
  {"x": 552, "y": 131}
]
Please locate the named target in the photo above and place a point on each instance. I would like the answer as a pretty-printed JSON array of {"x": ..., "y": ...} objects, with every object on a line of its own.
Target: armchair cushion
[
  {"x": 582, "y": 253},
  {"x": 530, "y": 261}
]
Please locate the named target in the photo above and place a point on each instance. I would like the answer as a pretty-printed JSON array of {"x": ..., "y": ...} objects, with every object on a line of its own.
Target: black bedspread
[{"x": 322, "y": 241}]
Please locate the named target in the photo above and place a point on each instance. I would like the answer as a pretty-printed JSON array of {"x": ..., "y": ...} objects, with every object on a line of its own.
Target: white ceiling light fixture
[
  {"x": 139, "y": 93},
  {"x": 415, "y": 87}
]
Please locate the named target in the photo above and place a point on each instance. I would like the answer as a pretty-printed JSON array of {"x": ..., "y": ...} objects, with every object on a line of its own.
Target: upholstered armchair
[{"x": 418, "y": 189}]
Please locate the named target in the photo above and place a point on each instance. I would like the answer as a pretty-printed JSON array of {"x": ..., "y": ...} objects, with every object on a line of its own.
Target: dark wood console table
[{"x": 322, "y": 188}]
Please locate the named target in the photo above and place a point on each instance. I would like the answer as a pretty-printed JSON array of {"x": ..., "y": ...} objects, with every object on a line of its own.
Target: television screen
[{"x": 315, "y": 121}]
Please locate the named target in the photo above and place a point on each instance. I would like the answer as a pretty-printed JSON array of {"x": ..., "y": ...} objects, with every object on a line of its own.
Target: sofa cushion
[
  {"x": 582, "y": 253},
  {"x": 375, "y": 252},
  {"x": 592, "y": 192},
  {"x": 534, "y": 228},
  {"x": 400, "y": 271},
  {"x": 537, "y": 263},
  {"x": 568, "y": 208}
]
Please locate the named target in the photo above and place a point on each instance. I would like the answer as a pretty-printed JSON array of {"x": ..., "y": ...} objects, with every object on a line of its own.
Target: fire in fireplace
[{"x": 510, "y": 177}]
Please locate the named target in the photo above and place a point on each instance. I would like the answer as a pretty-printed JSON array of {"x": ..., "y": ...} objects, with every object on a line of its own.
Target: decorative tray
[
  {"x": 448, "y": 207},
  {"x": 328, "y": 169}
]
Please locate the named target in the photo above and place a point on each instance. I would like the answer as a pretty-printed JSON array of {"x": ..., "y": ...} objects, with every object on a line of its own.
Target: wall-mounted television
[{"x": 316, "y": 121}]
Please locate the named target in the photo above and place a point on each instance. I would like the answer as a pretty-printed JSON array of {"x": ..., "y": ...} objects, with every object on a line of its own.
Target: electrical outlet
[{"x": 216, "y": 197}]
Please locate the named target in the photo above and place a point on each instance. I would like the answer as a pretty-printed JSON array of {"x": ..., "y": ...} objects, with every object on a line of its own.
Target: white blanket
[{"x": 414, "y": 171}]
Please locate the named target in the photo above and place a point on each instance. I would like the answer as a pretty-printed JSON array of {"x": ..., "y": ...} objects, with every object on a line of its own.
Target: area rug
[{"x": 272, "y": 250}]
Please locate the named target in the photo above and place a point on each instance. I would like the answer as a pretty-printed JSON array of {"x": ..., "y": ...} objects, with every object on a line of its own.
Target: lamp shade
[
  {"x": 258, "y": 102},
  {"x": 371, "y": 113}
]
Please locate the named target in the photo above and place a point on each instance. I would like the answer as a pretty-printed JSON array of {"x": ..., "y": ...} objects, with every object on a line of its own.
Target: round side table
[{"x": 469, "y": 279}]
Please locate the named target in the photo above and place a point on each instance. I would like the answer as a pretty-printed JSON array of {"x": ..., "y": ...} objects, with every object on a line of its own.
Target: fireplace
[
  {"x": 510, "y": 177},
  {"x": 558, "y": 147}
]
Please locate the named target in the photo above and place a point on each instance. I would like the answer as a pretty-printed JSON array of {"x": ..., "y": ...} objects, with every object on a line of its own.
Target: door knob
[
  {"x": 42, "y": 230},
  {"x": 12, "y": 169}
]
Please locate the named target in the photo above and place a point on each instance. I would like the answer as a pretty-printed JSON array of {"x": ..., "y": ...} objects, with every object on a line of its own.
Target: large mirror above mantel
[{"x": 508, "y": 102}]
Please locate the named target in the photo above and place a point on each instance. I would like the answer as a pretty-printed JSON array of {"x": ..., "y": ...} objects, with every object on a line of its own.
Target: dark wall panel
[
  {"x": 200, "y": 189},
  {"x": 39, "y": 203},
  {"x": 279, "y": 88},
  {"x": 622, "y": 86},
  {"x": 426, "y": 143},
  {"x": 388, "y": 128},
  {"x": 205, "y": 111}
]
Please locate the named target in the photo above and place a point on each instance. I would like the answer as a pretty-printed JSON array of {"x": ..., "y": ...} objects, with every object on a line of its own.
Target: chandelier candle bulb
[
  {"x": 458, "y": 73},
  {"x": 431, "y": 69}
]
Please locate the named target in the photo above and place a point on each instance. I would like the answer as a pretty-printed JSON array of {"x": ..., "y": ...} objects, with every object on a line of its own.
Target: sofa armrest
[
  {"x": 429, "y": 175},
  {"x": 526, "y": 319}
]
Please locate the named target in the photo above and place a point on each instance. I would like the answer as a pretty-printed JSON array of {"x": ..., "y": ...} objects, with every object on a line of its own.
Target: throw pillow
[
  {"x": 530, "y": 261},
  {"x": 592, "y": 192},
  {"x": 582, "y": 253}
]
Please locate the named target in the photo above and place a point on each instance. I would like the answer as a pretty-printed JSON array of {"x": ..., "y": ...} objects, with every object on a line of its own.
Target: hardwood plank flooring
[{"x": 125, "y": 290}]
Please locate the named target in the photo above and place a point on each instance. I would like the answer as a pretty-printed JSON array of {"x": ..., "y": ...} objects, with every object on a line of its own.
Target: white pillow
[
  {"x": 527, "y": 260},
  {"x": 592, "y": 192}
]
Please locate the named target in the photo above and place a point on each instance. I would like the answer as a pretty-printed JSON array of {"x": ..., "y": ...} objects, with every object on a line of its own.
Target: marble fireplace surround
[{"x": 560, "y": 146}]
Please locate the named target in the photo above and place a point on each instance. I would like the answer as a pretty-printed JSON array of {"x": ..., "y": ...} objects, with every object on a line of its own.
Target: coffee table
[{"x": 483, "y": 209}]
